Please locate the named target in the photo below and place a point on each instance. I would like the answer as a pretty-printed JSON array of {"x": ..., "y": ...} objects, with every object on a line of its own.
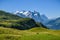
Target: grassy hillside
[
  {"x": 8, "y": 16},
  {"x": 23, "y": 23},
  {"x": 32, "y": 34}
]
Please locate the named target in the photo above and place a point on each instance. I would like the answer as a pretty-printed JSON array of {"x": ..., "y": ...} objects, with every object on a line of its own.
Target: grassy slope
[
  {"x": 31, "y": 34},
  {"x": 8, "y": 16}
]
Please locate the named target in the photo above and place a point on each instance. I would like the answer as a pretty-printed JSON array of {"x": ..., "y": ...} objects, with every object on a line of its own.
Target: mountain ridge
[
  {"x": 54, "y": 24},
  {"x": 10, "y": 20},
  {"x": 34, "y": 15}
]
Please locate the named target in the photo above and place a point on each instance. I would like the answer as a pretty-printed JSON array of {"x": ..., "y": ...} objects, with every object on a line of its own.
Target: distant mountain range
[
  {"x": 54, "y": 24},
  {"x": 34, "y": 15},
  {"x": 50, "y": 23}
]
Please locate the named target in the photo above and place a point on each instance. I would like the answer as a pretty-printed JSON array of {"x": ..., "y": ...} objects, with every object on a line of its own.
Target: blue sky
[{"x": 50, "y": 8}]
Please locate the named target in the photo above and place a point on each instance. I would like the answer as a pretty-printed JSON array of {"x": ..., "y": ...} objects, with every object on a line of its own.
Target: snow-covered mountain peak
[
  {"x": 21, "y": 12},
  {"x": 34, "y": 15},
  {"x": 16, "y": 12},
  {"x": 26, "y": 13}
]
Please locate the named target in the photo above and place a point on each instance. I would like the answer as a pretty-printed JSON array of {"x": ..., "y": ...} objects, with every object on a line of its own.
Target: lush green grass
[{"x": 32, "y": 34}]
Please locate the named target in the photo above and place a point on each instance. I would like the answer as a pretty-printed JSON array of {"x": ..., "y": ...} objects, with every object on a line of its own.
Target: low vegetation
[{"x": 31, "y": 34}]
